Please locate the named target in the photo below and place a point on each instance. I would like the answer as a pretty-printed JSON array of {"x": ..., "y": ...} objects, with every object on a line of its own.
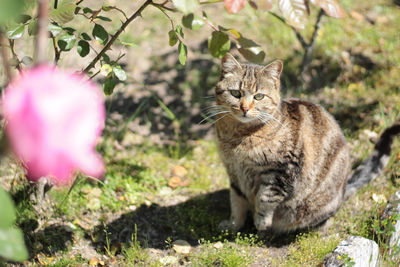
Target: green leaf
[
  {"x": 54, "y": 29},
  {"x": 103, "y": 18},
  {"x": 192, "y": 22},
  {"x": 119, "y": 72},
  {"x": 186, "y": 6},
  {"x": 12, "y": 245},
  {"x": 179, "y": 30},
  {"x": 32, "y": 27},
  {"x": 65, "y": 12},
  {"x": 83, "y": 48},
  {"x": 105, "y": 70},
  {"x": 66, "y": 41},
  {"x": 251, "y": 50},
  {"x": 173, "y": 38},
  {"x": 219, "y": 44},
  {"x": 23, "y": 18},
  {"x": 87, "y": 10},
  {"x": 107, "y": 8},
  {"x": 106, "y": 58},
  {"x": 85, "y": 36},
  {"x": 7, "y": 212},
  {"x": 295, "y": 12},
  {"x": 16, "y": 32},
  {"x": 109, "y": 85},
  {"x": 100, "y": 34},
  {"x": 182, "y": 49},
  {"x": 28, "y": 61}
]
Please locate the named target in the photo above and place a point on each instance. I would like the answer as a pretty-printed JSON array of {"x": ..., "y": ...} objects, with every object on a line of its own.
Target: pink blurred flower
[{"x": 54, "y": 119}]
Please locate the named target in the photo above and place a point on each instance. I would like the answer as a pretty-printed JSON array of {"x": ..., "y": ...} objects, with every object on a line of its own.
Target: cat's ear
[
  {"x": 273, "y": 69},
  {"x": 229, "y": 64}
]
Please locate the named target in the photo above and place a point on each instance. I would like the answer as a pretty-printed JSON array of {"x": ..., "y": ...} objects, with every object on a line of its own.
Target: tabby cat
[{"x": 288, "y": 160}]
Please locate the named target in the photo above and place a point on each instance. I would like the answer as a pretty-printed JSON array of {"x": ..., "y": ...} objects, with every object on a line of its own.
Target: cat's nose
[{"x": 244, "y": 109}]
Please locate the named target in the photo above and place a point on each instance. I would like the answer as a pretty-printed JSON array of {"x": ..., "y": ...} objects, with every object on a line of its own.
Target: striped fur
[{"x": 287, "y": 160}]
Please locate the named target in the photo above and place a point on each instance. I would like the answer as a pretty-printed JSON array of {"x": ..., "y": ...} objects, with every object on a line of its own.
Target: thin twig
[
  {"x": 6, "y": 63},
  {"x": 298, "y": 35},
  {"x": 210, "y": 2},
  {"x": 161, "y": 8},
  {"x": 310, "y": 47},
  {"x": 15, "y": 56},
  {"x": 42, "y": 33},
  {"x": 116, "y": 35},
  {"x": 80, "y": 1},
  {"x": 57, "y": 51}
]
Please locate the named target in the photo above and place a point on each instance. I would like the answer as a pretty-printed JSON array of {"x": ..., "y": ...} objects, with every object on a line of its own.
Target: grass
[{"x": 355, "y": 77}]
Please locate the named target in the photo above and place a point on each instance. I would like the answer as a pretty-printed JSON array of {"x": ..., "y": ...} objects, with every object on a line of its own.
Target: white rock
[{"x": 359, "y": 250}]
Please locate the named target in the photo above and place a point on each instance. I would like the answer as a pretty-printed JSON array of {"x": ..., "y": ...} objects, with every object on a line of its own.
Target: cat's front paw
[
  {"x": 263, "y": 223},
  {"x": 228, "y": 225}
]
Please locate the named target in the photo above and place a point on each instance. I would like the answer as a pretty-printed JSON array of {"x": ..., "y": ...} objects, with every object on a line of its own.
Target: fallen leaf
[
  {"x": 181, "y": 247},
  {"x": 179, "y": 171},
  {"x": 43, "y": 259},
  {"x": 174, "y": 182},
  {"x": 94, "y": 262}
]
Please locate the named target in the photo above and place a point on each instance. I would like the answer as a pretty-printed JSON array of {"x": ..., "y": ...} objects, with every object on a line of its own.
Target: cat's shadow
[{"x": 156, "y": 226}]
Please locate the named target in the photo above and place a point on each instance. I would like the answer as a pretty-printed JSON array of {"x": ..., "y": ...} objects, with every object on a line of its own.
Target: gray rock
[{"x": 355, "y": 249}]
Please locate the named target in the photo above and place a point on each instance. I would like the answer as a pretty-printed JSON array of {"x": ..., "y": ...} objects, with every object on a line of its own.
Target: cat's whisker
[
  {"x": 220, "y": 118},
  {"x": 214, "y": 114},
  {"x": 267, "y": 118}
]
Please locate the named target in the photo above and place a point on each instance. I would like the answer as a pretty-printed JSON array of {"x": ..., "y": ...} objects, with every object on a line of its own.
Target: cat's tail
[{"x": 374, "y": 164}]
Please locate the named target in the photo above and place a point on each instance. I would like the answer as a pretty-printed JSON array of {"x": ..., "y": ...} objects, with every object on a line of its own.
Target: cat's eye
[
  {"x": 259, "y": 96},
  {"x": 235, "y": 93}
]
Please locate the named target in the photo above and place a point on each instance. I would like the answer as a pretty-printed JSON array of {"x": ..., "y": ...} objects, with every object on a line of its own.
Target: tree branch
[
  {"x": 310, "y": 47},
  {"x": 6, "y": 63},
  {"x": 298, "y": 35},
  {"x": 42, "y": 32},
  {"x": 116, "y": 35}
]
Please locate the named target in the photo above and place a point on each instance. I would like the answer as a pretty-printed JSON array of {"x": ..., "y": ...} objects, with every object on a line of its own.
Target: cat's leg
[
  {"x": 239, "y": 207},
  {"x": 270, "y": 194}
]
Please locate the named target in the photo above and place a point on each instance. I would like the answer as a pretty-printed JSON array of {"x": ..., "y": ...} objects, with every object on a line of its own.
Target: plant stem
[
  {"x": 55, "y": 4},
  {"x": 42, "y": 33},
  {"x": 310, "y": 46},
  {"x": 116, "y": 35},
  {"x": 6, "y": 63}
]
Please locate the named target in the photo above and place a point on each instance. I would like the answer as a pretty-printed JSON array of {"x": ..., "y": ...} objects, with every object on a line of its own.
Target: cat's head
[{"x": 249, "y": 92}]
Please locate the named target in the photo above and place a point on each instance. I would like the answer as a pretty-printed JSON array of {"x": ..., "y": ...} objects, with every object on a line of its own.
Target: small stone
[
  {"x": 181, "y": 247},
  {"x": 356, "y": 250},
  {"x": 132, "y": 207},
  {"x": 218, "y": 245},
  {"x": 179, "y": 171},
  {"x": 379, "y": 198},
  {"x": 168, "y": 260}
]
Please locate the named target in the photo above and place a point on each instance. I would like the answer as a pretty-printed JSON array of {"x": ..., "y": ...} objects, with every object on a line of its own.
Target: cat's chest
[{"x": 247, "y": 152}]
